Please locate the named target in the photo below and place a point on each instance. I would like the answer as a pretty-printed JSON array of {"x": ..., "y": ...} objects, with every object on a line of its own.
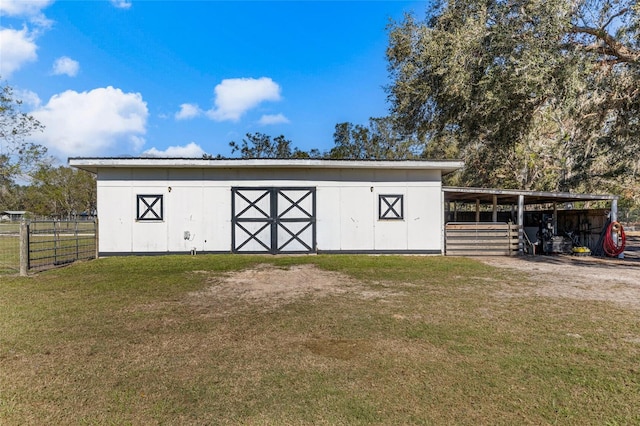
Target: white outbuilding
[{"x": 158, "y": 205}]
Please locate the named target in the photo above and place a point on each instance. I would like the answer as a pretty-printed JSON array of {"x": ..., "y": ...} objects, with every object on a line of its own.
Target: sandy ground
[
  {"x": 562, "y": 276},
  {"x": 270, "y": 287},
  {"x": 584, "y": 278}
]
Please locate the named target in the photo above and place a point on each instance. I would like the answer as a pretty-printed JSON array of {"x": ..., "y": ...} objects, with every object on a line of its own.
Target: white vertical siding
[
  {"x": 184, "y": 216},
  {"x": 355, "y": 210},
  {"x": 390, "y": 234},
  {"x": 216, "y": 219},
  {"x": 328, "y": 221},
  {"x": 424, "y": 217},
  {"x": 116, "y": 224},
  {"x": 198, "y": 207}
]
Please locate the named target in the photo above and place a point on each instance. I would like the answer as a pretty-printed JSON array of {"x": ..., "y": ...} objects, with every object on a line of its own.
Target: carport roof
[{"x": 510, "y": 196}]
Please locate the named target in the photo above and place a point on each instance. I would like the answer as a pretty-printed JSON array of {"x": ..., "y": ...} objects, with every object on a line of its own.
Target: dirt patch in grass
[
  {"x": 577, "y": 278},
  {"x": 270, "y": 286}
]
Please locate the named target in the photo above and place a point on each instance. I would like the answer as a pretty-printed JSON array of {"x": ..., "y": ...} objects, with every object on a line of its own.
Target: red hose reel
[{"x": 614, "y": 240}]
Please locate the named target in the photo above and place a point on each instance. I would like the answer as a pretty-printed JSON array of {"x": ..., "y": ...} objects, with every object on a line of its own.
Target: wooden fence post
[{"x": 24, "y": 249}]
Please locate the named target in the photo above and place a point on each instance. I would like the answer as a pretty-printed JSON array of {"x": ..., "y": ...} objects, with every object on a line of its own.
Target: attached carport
[{"x": 480, "y": 201}]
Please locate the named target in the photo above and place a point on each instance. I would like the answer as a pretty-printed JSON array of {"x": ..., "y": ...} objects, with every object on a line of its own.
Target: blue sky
[{"x": 179, "y": 78}]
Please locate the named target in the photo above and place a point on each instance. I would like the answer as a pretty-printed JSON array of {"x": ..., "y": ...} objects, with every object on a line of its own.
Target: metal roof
[
  {"x": 95, "y": 163},
  {"x": 510, "y": 196}
]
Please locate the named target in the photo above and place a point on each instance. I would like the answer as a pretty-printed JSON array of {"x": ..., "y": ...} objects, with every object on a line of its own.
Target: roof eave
[
  {"x": 530, "y": 197},
  {"x": 93, "y": 164}
]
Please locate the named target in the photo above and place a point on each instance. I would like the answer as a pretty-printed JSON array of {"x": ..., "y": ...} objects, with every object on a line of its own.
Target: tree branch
[
  {"x": 612, "y": 46},
  {"x": 614, "y": 16}
]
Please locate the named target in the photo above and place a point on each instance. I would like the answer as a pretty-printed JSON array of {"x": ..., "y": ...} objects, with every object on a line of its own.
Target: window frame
[
  {"x": 146, "y": 204},
  {"x": 390, "y": 201}
]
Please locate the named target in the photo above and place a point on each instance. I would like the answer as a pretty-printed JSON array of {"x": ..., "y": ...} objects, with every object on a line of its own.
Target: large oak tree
[{"x": 532, "y": 94}]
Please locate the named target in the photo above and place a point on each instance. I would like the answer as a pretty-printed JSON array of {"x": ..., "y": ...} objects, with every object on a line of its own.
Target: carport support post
[
  {"x": 494, "y": 218},
  {"x": 520, "y": 224},
  {"x": 555, "y": 218},
  {"x": 477, "y": 209}
]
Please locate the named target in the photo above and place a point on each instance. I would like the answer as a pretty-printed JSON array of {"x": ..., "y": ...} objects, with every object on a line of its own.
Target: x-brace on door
[{"x": 273, "y": 219}]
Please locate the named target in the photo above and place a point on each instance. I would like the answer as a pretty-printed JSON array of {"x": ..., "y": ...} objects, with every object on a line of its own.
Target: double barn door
[{"x": 273, "y": 220}]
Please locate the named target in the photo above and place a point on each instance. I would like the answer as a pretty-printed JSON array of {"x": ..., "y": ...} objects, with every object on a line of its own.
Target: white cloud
[
  {"x": 66, "y": 65},
  {"x": 23, "y": 7},
  {"x": 268, "y": 119},
  {"x": 18, "y": 48},
  {"x": 28, "y": 98},
  {"x": 188, "y": 111},
  {"x": 122, "y": 4},
  {"x": 235, "y": 96},
  {"x": 102, "y": 121},
  {"x": 191, "y": 150},
  {"x": 31, "y": 9},
  {"x": 136, "y": 142}
]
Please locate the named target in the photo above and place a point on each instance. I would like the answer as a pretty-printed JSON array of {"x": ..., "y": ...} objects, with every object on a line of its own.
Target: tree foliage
[
  {"x": 63, "y": 192},
  {"x": 17, "y": 154},
  {"x": 532, "y": 94},
  {"x": 260, "y": 145},
  {"x": 378, "y": 141}
]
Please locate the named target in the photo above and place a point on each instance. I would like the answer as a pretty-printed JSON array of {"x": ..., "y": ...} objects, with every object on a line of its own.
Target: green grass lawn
[{"x": 416, "y": 340}]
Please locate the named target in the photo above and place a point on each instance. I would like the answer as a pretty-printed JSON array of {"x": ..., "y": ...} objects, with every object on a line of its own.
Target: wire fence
[
  {"x": 9, "y": 247},
  {"x": 47, "y": 244}
]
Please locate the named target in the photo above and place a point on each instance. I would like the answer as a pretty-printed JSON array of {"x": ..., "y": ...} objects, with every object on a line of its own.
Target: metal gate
[{"x": 273, "y": 220}]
